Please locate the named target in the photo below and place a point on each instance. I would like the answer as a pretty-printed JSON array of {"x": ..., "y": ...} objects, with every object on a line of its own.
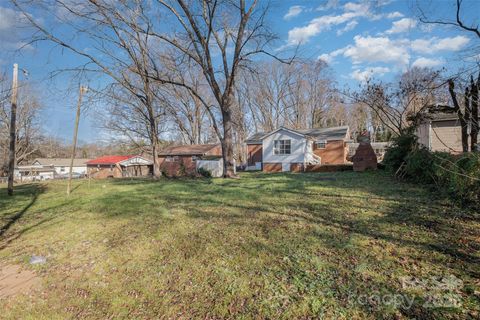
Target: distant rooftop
[
  {"x": 61, "y": 162},
  {"x": 187, "y": 150}
]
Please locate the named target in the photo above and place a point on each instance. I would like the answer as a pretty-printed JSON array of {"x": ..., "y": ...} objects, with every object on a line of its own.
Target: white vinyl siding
[
  {"x": 298, "y": 147},
  {"x": 282, "y": 147}
]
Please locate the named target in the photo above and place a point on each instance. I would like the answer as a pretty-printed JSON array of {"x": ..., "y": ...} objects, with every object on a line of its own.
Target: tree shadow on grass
[
  {"x": 386, "y": 213},
  {"x": 23, "y": 191}
]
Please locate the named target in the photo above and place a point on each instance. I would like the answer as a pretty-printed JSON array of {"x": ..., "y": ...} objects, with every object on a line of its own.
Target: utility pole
[
  {"x": 75, "y": 133},
  {"x": 13, "y": 119}
]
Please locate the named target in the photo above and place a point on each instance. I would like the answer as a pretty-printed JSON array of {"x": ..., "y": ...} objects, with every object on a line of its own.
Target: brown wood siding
[
  {"x": 254, "y": 154},
  {"x": 335, "y": 152}
]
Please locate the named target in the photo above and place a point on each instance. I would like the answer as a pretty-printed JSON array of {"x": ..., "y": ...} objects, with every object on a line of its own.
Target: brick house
[
  {"x": 119, "y": 166},
  {"x": 180, "y": 160},
  {"x": 293, "y": 150}
]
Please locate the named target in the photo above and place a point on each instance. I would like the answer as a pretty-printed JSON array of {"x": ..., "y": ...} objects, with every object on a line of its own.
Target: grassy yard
[{"x": 278, "y": 246}]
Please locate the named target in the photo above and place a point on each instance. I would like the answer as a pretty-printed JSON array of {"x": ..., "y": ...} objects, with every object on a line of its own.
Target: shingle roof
[
  {"x": 187, "y": 150},
  {"x": 61, "y": 162},
  {"x": 333, "y": 133},
  {"x": 105, "y": 160},
  {"x": 256, "y": 138}
]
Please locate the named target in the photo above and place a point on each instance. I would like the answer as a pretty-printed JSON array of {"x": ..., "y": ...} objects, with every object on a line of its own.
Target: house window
[
  {"x": 282, "y": 147},
  {"x": 321, "y": 144},
  {"x": 194, "y": 158},
  {"x": 62, "y": 169}
]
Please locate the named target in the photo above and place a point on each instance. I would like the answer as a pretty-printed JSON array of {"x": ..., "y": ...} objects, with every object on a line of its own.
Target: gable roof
[
  {"x": 333, "y": 133},
  {"x": 187, "y": 150},
  {"x": 61, "y": 162},
  {"x": 255, "y": 138},
  {"x": 106, "y": 160}
]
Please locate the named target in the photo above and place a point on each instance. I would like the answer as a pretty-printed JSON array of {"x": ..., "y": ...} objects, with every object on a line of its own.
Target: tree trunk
[
  {"x": 474, "y": 116},
  {"x": 227, "y": 143},
  {"x": 155, "y": 148},
  {"x": 461, "y": 118}
]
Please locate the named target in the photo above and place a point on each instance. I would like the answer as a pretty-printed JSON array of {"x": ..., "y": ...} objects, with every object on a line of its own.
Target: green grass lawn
[{"x": 277, "y": 246}]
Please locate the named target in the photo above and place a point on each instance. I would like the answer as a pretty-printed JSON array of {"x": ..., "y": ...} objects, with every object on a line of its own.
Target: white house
[
  {"x": 293, "y": 150},
  {"x": 34, "y": 173},
  {"x": 62, "y": 165}
]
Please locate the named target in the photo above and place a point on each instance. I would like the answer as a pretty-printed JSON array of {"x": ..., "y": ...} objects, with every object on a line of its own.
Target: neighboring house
[
  {"x": 292, "y": 150},
  {"x": 34, "y": 173},
  {"x": 119, "y": 167},
  {"x": 442, "y": 132},
  {"x": 179, "y": 160},
  {"x": 62, "y": 165}
]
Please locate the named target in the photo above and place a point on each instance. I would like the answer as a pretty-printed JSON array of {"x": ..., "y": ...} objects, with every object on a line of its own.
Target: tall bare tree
[
  {"x": 233, "y": 30},
  {"x": 121, "y": 46}
]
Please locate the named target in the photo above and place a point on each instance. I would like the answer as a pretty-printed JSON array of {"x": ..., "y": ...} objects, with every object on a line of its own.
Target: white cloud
[
  {"x": 352, "y": 6},
  {"x": 434, "y": 45},
  {"x": 368, "y": 73},
  {"x": 328, "y": 57},
  {"x": 293, "y": 12},
  {"x": 427, "y": 63},
  {"x": 349, "y": 27},
  {"x": 329, "y": 5},
  {"x": 12, "y": 23},
  {"x": 300, "y": 35},
  {"x": 402, "y": 25},
  {"x": 377, "y": 49},
  {"x": 393, "y": 15}
]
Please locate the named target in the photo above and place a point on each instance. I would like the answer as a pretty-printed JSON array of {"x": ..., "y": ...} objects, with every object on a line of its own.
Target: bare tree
[
  {"x": 458, "y": 20},
  {"x": 233, "y": 30},
  {"x": 27, "y": 129},
  {"x": 121, "y": 48},
  {"x": 394, "y": 104}
]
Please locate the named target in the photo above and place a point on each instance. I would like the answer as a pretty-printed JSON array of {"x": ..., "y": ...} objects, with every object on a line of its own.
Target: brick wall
[
  {"x": 104, "y": 172},
  {"x": 335, "y": 152},
  {"x": 272, "y": 167},
  {"x": 174, "y": 168}
]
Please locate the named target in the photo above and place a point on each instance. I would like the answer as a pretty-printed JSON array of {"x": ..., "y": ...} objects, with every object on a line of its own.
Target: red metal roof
[{"x": 109, "y": 160}]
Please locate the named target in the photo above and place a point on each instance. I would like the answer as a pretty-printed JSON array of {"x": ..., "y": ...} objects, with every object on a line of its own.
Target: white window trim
[
  {"x": 277, "y": 149},
  {"x": 317, "y": 143}
]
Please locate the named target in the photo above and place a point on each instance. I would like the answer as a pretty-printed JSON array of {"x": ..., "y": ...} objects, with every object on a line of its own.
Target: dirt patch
[{"x": 15, "y": 280}]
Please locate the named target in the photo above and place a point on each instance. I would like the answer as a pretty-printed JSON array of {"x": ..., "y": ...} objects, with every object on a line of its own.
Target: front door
[{"x": 285, "y": 166}]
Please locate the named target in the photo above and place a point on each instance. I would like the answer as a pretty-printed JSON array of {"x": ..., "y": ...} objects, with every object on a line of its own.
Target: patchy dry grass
[{"x": 265, "y": 246}]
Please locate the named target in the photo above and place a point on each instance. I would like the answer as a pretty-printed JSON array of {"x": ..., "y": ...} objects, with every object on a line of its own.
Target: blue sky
[{"x": 359, "y": 39}]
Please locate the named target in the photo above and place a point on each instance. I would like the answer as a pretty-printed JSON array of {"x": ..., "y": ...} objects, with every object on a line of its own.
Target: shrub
[
  {"x": 204, "y": 172},
  {"x": 419, "y": 166},
  {"x": 458, "y": 176},
  {"x": 455, "y": 176},
  {"x": 400, "y": 148}
]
